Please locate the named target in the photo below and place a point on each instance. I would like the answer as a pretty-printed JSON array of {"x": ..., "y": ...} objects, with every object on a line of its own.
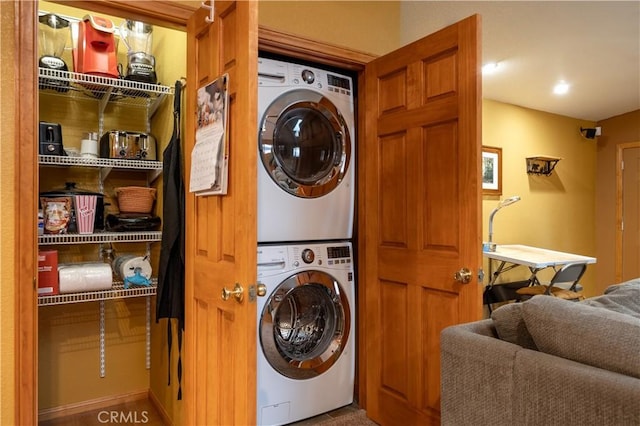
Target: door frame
[
  {"x": 25, "y": 187},
  {"x": 619, "y": 194},
  {"x": 166, "y": 13}
]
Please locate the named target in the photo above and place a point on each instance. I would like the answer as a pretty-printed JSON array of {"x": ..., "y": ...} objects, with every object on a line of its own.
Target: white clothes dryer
[
  {"x": 306, "y": 331},
  {"x": 306, "y": 131}
]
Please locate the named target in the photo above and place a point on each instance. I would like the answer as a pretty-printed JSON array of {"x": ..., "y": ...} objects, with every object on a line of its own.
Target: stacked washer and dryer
[{"x": 306, "y": 196}]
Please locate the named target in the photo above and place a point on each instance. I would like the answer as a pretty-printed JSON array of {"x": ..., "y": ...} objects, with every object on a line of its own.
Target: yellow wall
[
  {"x": 368, "y": 26},
  {"x": 7, "y": 225},
  {"x": 556, "y": 212}
]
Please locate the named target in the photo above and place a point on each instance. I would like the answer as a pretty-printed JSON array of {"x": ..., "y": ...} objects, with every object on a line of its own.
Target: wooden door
[
  {"x": 220, "y": 350},
  {"x": 628, "y": 264},
  {"x": 421, "y": 214}
]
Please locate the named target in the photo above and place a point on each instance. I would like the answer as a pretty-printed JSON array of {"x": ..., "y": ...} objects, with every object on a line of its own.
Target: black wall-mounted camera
[{"x": 590, "y": 132}]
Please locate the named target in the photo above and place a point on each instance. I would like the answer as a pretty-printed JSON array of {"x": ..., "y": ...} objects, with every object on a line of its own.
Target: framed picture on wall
[{"x": 491, "y": 170}]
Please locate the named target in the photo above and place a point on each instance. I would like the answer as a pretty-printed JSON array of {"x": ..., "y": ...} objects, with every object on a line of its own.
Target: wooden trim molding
[
  {"x": 26, "y": 325},
  {"x": 170, "y": 14},
  {"x": 280, "y": 42}
]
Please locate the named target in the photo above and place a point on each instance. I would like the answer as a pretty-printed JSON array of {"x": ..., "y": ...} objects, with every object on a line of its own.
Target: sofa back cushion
[
  {"x": 510, "y": 325},
  {"x": 591, "y": 335},
  {"x": 623, "y": 298}
]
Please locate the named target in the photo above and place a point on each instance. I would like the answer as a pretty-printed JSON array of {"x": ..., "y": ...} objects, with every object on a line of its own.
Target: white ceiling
[{"x": 592, "y": 45}]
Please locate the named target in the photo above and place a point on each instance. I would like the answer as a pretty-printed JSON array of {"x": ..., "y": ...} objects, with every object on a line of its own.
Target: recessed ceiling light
[
  {"x": 562, "y": 88},
  {"x": 490, "y": 68}
]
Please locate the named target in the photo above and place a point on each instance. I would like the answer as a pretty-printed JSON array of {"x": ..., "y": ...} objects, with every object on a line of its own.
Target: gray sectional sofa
[{"x": 546, "y": 361}]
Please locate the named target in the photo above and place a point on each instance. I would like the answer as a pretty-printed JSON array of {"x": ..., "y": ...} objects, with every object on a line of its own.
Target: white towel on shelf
[{"x": 75, "y": 278}]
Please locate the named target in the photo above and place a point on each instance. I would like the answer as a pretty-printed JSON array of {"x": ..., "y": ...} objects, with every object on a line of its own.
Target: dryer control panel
[
  {"x": 277, "y": 73},
  {"x": 278, "y": 259}
]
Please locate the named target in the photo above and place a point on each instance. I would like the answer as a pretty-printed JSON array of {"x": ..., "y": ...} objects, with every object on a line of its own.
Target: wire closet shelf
[{"x": 104, "y": 89}]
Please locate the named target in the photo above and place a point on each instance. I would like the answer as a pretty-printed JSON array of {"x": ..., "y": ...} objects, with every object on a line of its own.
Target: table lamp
[{"x": 506, "y": 202}]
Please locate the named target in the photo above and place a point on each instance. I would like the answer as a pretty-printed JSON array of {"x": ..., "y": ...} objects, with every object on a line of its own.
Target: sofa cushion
[
  {"x": 588, "y": 334},
  {"x": 634, "y": 283},
  {"x": 623, "y": 298},
  {"x": 510, "y": 326}
]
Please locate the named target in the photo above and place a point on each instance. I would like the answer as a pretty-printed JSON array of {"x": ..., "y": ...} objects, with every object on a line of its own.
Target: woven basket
[{"x": 135, "y": 199}]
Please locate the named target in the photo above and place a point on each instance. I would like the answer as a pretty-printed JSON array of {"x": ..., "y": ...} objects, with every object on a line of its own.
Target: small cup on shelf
[{"x": 86, "y": 213}]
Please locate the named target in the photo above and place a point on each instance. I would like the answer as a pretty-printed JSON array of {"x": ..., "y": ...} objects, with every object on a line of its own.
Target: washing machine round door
[
  {"x": 304, "y": 143},
  {"x": 304, "y": 325}
]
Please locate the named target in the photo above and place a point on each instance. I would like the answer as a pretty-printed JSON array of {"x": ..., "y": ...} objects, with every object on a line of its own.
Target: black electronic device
[{"x": 50, "y": 139}]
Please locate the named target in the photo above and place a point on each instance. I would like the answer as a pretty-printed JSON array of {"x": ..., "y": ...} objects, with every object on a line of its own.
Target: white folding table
[{"x": 513, "y": 255}]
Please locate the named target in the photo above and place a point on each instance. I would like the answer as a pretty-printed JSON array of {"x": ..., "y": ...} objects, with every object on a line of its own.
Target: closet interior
[{"x": 106, "y": 91}]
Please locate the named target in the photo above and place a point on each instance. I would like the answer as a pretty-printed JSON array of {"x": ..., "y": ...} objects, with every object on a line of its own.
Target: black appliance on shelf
[
  {"x": 50, "y": 139},
  {"x": 132, "y": 222}
]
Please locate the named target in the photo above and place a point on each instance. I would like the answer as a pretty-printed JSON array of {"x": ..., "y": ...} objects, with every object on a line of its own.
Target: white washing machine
[
  {"x": 306, "y": 175},
  {"x": 306, "y": 331}
]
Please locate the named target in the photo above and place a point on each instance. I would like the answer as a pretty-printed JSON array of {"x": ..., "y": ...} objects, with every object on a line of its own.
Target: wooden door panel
[
  {"x": 440, "y": 76},
  {"x": 442, "y": 308},
  {"x": 393, "y": 208},
  {"x": 220, "y": 354},
  {"x": 395, "y": 370},
  {"x": 422, "y": 165},
  {"x": 439, "y": 215}
]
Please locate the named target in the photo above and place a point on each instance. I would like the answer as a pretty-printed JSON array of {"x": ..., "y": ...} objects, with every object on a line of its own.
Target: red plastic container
[{"x": 95, "y": 48}]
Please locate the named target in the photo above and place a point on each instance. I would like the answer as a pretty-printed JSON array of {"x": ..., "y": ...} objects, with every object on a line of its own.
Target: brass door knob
[
  {"x": 262, "y": 290},
  {"x": 237, "y": 292},
  {"x": 463, "y": 276}
]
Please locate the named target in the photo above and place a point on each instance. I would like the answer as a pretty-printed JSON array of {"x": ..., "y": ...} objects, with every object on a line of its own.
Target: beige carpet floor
[{"x": 357, "y": 418}]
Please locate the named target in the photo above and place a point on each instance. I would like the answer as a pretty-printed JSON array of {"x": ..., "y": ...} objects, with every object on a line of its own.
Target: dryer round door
[
  {"x": 304, "y": 325},
  {"x": 304, "y": 143}
]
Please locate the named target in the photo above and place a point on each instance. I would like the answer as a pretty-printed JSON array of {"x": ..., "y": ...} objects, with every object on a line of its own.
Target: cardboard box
[{"x": 48, "y": 283}]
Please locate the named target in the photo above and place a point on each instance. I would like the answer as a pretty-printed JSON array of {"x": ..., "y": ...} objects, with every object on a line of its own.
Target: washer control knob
[
  {"x": 308, "y": 255},
  {"x": 308, "y": 76}
]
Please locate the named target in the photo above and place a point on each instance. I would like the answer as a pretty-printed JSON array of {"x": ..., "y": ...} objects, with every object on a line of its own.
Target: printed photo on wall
[
  {"x": 209, "y": 158},
  {"x": 491, "y": 170}
]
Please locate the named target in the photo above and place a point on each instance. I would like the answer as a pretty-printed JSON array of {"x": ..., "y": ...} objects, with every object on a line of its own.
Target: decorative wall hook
[
  {"x": 541, "y": 164},
  {"x": 208, "y": 19}
]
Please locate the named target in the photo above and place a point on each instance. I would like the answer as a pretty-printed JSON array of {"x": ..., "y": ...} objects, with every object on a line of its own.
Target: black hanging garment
[{"x": 170, "y": 293}]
